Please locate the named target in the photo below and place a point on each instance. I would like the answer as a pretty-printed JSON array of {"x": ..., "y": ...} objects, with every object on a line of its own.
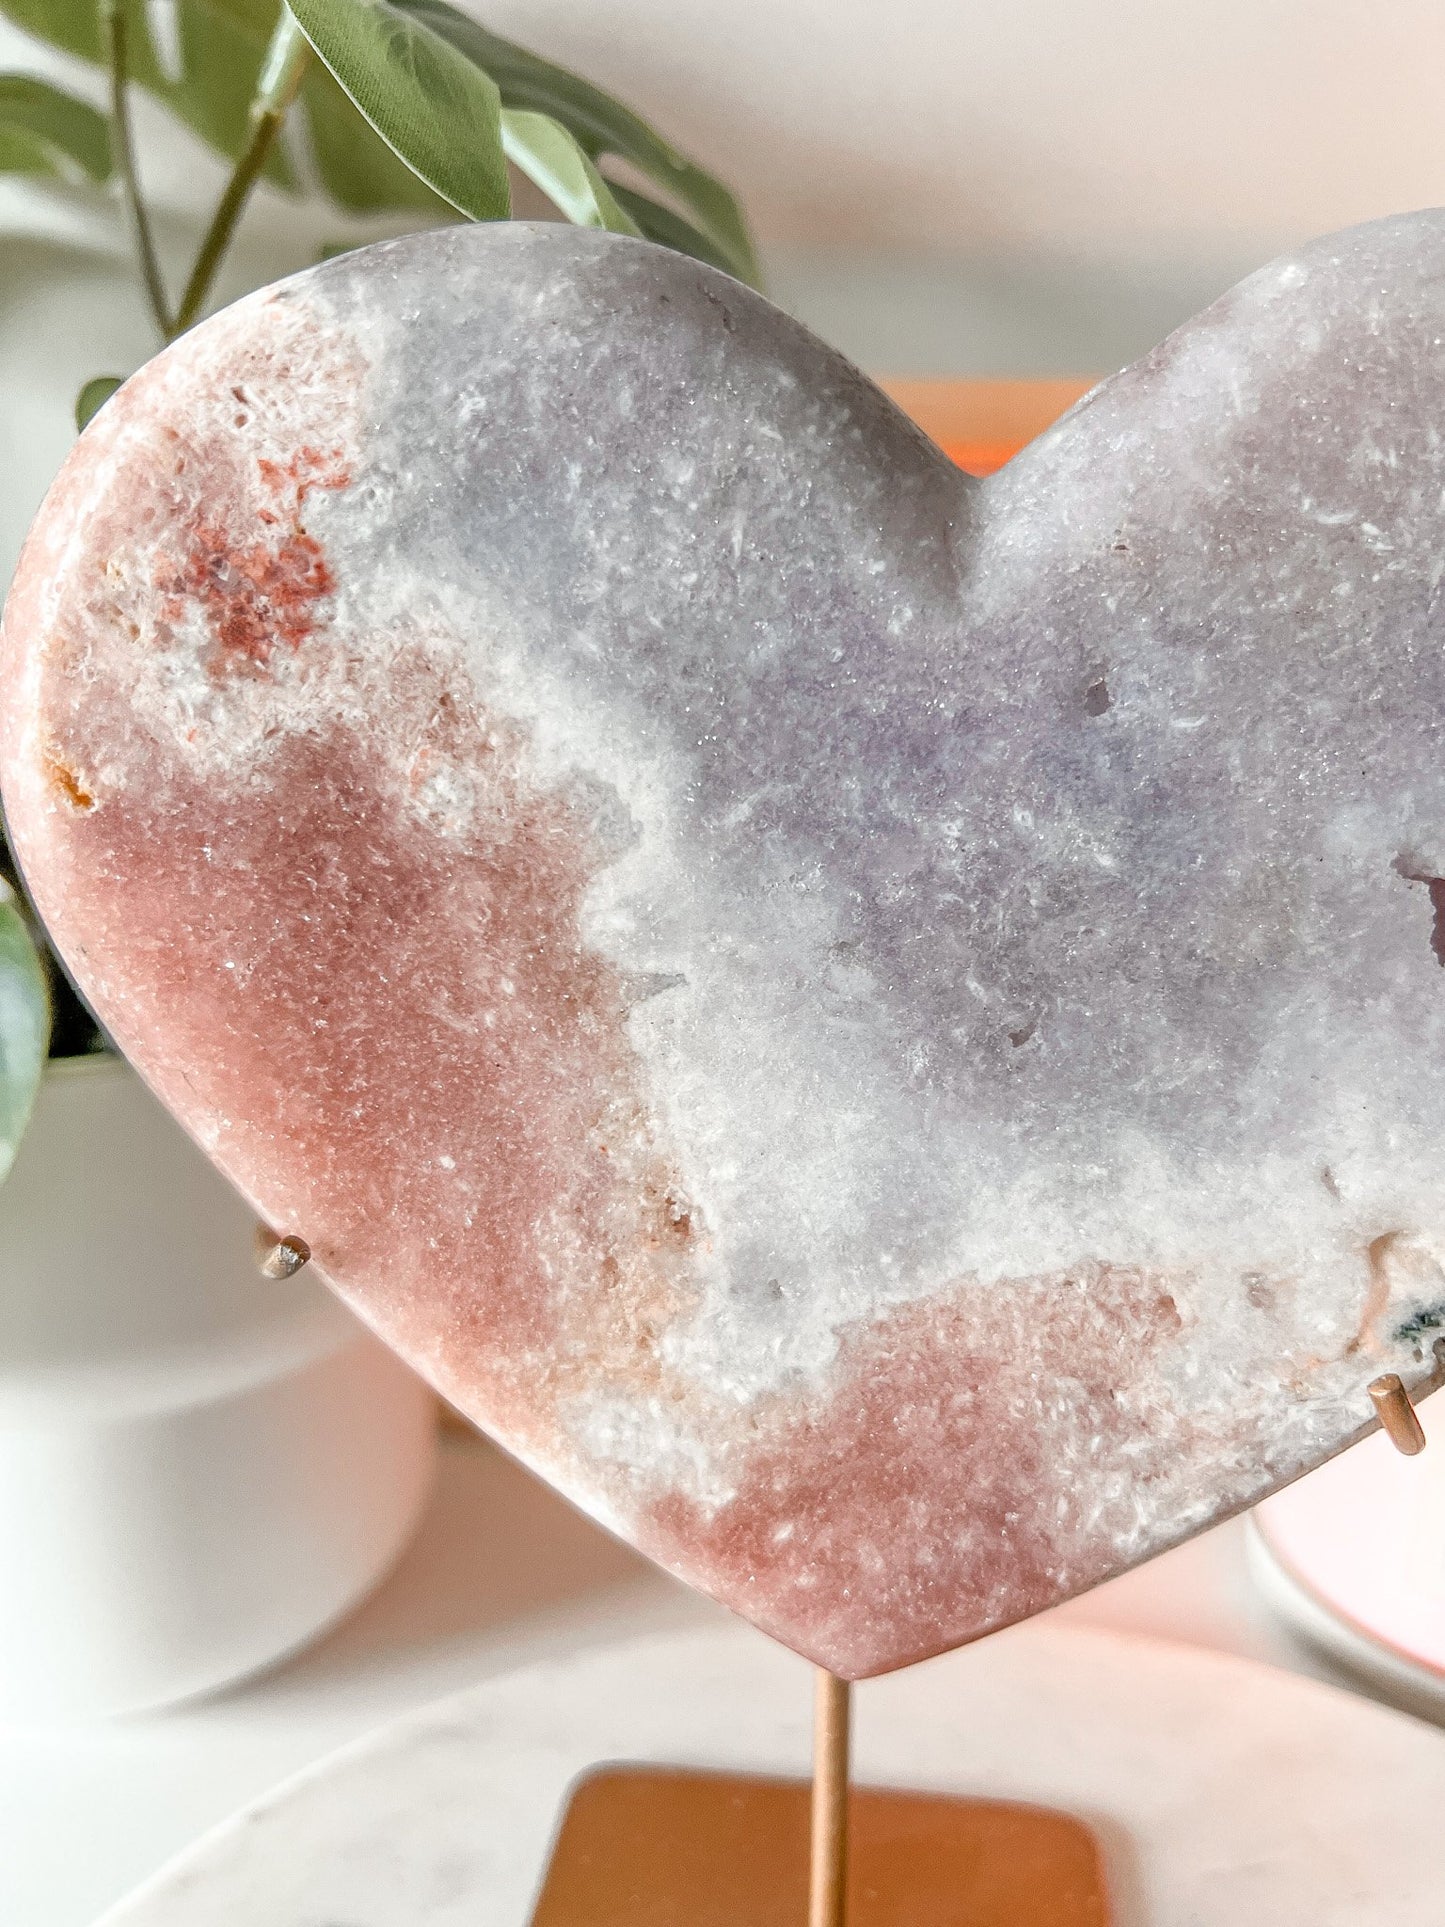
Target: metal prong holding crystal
[
  {"x": 280, "y": 1257},
  {"x": 1397, "y": 1415}
]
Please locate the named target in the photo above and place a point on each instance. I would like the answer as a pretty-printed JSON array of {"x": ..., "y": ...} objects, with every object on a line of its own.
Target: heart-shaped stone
[{"x": 879, "y": 1030}]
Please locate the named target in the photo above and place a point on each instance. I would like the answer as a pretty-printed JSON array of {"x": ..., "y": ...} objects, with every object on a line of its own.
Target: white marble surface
[
  {"x": 501, "y": 1575},
  {"x": 1215, "y": 1786}
]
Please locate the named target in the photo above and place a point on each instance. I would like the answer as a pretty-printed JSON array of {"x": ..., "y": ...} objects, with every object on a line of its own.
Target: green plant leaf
[
  {"x": 24, "y": 1026},
  {"x": 357, "y": 168},
  {"x": 552, "y": 159},
  {"x": 600, "y": 125},
  {"x": 222, "y": 46},
  {"x": 45, "y": 131},
  {"x": 222, "y": 43},
  {"x": 428, "y": 102},
  {"x": 654, "y": 222},
  {"x": 71, "y": 24},
  {"x": 94, "y": 395}
]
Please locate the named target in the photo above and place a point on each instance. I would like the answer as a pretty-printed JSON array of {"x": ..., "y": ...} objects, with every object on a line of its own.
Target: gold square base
[{"x": 668, "y": 1847}]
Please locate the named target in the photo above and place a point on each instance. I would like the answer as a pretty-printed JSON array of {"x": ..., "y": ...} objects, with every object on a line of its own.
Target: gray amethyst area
[{"x": 1015, "y": 874}]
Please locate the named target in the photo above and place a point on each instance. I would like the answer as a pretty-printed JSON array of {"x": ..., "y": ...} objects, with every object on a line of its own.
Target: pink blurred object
[{"x": 1354, "y": 1556}]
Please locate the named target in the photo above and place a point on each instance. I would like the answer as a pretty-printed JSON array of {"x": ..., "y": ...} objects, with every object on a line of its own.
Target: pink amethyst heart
[{"x": 879, "y": 1030}]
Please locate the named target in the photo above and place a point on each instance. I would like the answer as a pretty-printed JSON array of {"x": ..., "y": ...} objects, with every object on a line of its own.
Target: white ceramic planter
[{"x": 199, "y": 1469}]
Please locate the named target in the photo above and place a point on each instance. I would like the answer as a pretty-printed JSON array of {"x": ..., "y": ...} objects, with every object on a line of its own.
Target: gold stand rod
[
  {"x": 828, "y": 1873},
  {"x": 1397, "y": 1414}
]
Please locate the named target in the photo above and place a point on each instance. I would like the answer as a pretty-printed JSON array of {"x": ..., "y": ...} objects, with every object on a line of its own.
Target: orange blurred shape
[
  {"x": 980, "y": 458},
  {"x": 980, "y": 424},
  {"x": 671, "y": 1847}
]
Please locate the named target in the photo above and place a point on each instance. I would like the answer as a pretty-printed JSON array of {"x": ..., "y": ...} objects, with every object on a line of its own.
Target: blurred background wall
[
  {"x": 1034, "y": 186},
  {"x": 940, "y": 186}
]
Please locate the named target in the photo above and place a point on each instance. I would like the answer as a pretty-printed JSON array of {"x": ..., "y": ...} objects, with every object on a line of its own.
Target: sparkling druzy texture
[{"x": 880, "y": 1030}]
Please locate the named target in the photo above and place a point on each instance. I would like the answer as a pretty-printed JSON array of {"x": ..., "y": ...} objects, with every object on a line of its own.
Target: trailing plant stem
[
  {"x": 122, "y": 144},
  {"x": 281, "y": 76}
]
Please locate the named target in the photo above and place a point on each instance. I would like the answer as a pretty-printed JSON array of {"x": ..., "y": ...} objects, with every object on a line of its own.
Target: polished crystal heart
[{"x": 879, "y": 1030}]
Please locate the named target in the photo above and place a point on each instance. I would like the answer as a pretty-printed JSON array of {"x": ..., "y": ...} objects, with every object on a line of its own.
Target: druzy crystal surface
[{"x": 882, "y": 1031}]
